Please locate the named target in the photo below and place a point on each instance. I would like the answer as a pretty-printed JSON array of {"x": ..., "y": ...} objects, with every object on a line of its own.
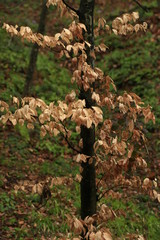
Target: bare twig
[
  {"x": 99, "y": 181},
  {"x": 100, "y": 196},
  {"x": 67, "y": 5},
  {"x": 139, "y": 4},
  {"x": 70, "y": 145},
  {"x": 67, "y": 140},
  {"x": 65, "y": 137}
]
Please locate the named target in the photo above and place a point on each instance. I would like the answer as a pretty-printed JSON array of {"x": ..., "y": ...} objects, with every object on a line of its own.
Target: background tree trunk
[
  {"x": 34, "y": 51},
  {"x": 88, "y": 184}
]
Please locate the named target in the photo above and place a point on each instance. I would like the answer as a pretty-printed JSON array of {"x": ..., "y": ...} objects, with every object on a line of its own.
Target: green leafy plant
[{"x": 7, "y": 202}]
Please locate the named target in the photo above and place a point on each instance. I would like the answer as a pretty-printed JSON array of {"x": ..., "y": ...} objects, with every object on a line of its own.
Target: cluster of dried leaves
[
  {"x": 101, "y": 232},
  {"x": 122, "y": 26},
  {"x": 119, "y": 135},
  {"x": 70, "y": 42}
]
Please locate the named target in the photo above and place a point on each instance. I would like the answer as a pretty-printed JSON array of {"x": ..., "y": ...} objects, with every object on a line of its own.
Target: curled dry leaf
[
  {"x": 131, "y": 125},
  {"x": 78, "y": 226},
  {"x": 30, "y": 126},
  {"x": 101, "y": 23},
  {"x": 102, "y": 47},
  {"x": 96, "y": 97},
  {"x": 140, "y": 237},
  {"x": 81, "y": 158},
  {"x": 78, "y": 178},
  {"x": 70, "y": 97},
  {"x": 146, "y": 182},
  {"x": 135, "y": 16},
  {"x": 16, "y": 100},
  {"x": 37, "y": 188},
  {"x": 107, "y": 236}
]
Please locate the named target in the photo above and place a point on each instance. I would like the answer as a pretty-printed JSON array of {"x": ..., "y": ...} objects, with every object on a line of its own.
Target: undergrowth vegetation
[{"x": 26, "y": 160}]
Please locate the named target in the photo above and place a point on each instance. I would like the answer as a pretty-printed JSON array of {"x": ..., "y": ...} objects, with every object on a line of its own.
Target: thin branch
[
  {"x": 101, "y": 196},
  {"x": 107, "y": 190},
  {"x": 67, "y": 140},
  {"x": 99, "y": 181},
  {"x": 65, "y": 137},
  {"x": 70, "y": 145},
  {"x": 114, "y": 187},
  {"x": 139, "y": 4},
  {"x": 67, "y": 5}
]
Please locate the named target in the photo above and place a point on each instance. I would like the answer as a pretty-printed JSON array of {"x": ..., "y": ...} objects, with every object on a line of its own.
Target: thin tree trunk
[
  {"x": 88, "y": 184},
  {"x": 34, "y": 51}
]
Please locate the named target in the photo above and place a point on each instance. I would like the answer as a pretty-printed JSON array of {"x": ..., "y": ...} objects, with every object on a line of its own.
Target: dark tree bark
[
  {"x": 34, "y": 51},
  {"x": 88, "y": 184}
]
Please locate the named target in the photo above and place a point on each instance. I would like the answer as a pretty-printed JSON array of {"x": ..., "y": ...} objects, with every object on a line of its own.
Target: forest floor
[{"x": 37, "y": 186}]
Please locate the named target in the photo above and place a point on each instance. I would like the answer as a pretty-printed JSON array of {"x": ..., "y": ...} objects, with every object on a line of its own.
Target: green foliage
[
  {"x": 23, "y": 130},
  {"x": 54, "y": 220},
  {"x": 19, "y": 233},
  {"x": 16, "y": 143},
  {"x": 49, "y": 76},
  {"x": 56, "y": 81},
  {"x": 135, "y": 218},
  {"x": 50, "y": 169},
  {"x": 134, "y": 68},
  {"x": 51, "y": 145},
  {"x": 7, "y": 202},
  {"x": 13, "y": 61},
  {"x": 46, "y": 225}
]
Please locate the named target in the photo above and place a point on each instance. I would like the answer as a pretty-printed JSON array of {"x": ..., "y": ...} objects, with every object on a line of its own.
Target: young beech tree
[{"x": 110, "y": 126}]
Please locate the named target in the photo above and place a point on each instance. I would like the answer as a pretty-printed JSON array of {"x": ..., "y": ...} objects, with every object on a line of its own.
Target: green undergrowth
[
  {"x": 27, "y": 217},
  {"x": 51, "y": 82},
  {"x": 55, "y": 79},
  {"x": 133, "y": 217},
  {"x": 24, "y": 213},
  {"x": 133, "y": 67}
]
